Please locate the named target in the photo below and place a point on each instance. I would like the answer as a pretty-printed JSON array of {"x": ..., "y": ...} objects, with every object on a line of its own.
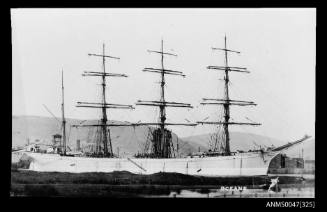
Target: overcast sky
[{"x": 277, "y": 45}]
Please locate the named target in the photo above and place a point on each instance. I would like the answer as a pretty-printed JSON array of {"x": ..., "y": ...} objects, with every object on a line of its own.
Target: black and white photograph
[{"x": 163, "y": 102}]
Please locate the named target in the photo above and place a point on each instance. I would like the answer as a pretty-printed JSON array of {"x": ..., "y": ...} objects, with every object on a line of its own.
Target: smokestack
[{"x": 78, "y": 145}]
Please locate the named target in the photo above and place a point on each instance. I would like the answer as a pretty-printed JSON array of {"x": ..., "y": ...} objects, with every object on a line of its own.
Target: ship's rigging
[
  {"x": 161, "y": 138},
  {"x": 103, "y": 144},
  {"x": 226, "y": 101},
  {"x": 162, "y": 146}
]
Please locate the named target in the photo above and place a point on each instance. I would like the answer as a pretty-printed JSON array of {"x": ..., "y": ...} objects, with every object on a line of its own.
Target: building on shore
[{"x": 282, "y": 164}]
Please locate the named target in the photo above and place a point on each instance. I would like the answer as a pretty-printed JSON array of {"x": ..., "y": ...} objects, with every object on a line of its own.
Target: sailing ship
[{"x": 160, "y": 153}]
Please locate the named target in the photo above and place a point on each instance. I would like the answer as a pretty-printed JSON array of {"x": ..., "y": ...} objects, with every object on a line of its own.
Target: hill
[
  {"x": 245, "y": 141},
  {"x": 129, "y": 140}
]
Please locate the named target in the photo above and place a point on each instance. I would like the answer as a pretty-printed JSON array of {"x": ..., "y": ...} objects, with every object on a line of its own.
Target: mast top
[
  {"x": 103, "y": 54},
  {"x": 225, "y": 49}
]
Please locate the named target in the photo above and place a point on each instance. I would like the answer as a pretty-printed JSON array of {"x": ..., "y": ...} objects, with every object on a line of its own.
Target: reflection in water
[{"x": 306, "y": 192}]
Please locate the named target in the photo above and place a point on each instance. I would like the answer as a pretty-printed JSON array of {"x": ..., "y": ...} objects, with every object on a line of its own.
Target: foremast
[
  {"x": 105, "y": 138},
  {"x": 163, "y": 144},
  {"x": 226, "y": 101}
]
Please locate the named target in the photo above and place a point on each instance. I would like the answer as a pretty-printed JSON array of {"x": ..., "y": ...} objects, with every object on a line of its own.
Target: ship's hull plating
[{"x": 244, "y": 164}]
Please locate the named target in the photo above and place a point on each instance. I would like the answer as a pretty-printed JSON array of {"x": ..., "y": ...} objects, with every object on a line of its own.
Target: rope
[
  {"x": 236, "y": 90},
  {"x": 275, "y": 105}
]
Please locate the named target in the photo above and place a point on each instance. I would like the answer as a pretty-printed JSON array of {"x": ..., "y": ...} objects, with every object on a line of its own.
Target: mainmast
[
  {"x": 63, "y": 113},
  {"x": 226, "y": 102},
  {"x": 163, "y": 143},
  {"x": 162, "y": 99},
  {"x": 104, "y": 119},
  {"x": 226, "y": 106},
  {"x": 105, "y": 131}
]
